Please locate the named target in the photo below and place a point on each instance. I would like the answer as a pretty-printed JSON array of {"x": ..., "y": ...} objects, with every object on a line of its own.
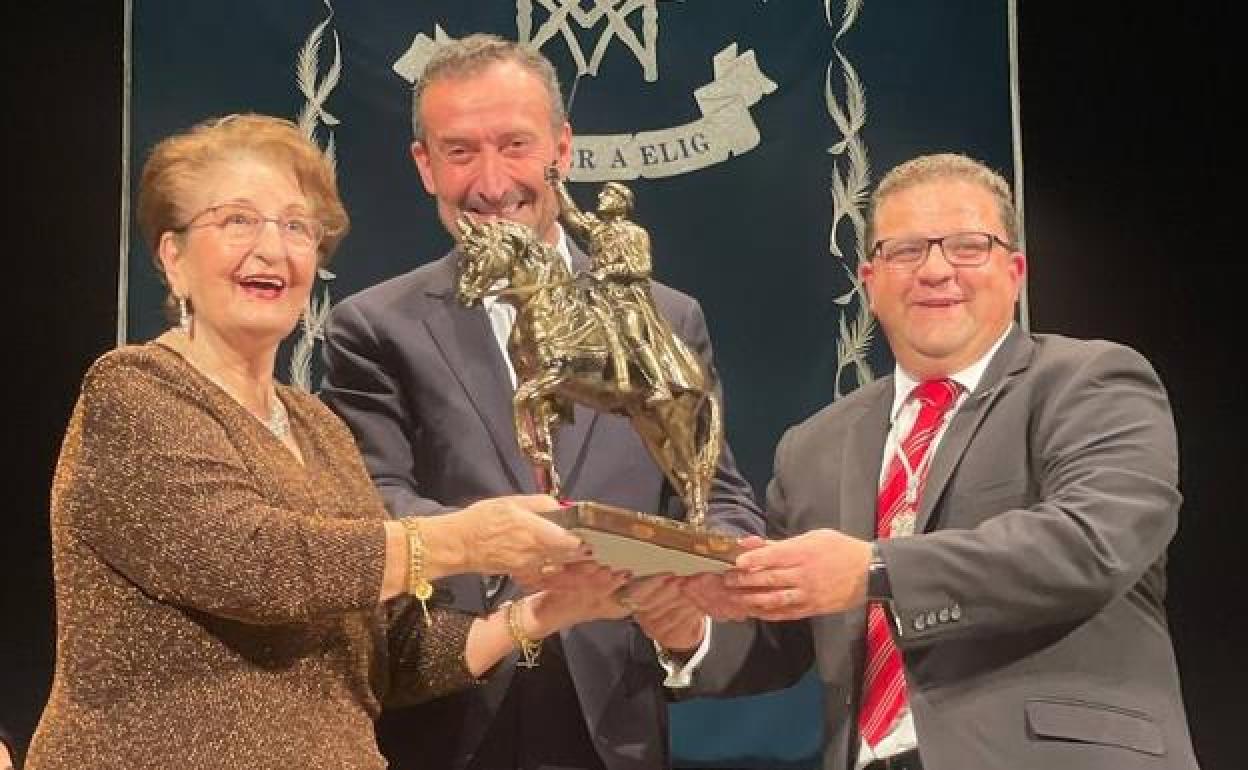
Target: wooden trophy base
[{"x": 645, "y": 544}]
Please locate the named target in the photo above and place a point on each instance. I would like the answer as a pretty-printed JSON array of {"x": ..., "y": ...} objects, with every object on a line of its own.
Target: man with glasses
[{"x": 971, "y": 550}]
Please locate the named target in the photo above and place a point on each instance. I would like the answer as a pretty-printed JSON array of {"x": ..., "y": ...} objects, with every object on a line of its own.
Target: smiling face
[
  {"x": 488, "y": 141},
  {"x": 247, "y": 297},
  {"x": 940, "y": 319}
]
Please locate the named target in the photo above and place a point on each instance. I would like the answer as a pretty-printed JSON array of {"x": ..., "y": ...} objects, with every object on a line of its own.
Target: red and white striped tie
[{"x": 884, "y": 685}]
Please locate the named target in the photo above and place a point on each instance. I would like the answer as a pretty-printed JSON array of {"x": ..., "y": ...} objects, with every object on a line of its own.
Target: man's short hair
[
  {"x": 476, "y": 53},
  {"x": 928, "y": 168}
]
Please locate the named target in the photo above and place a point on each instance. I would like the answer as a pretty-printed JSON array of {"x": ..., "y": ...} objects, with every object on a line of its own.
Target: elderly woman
[{"x": 230, "y": 592}]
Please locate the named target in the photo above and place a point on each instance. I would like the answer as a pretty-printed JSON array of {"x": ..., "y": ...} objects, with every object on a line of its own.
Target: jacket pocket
[{"x": 1056, "y": 719}]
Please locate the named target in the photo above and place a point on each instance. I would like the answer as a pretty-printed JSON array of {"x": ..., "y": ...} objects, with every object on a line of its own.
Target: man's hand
[
  {"x": 709, "y": 592},
  {"x": 815, "y": 573},
  {"x": 665, "y": 613}
]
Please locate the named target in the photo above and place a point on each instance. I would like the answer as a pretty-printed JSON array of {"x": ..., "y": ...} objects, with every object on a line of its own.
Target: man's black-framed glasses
[
  {"x": 240, "y": 226},
  {"x": 960, "y": 249}
]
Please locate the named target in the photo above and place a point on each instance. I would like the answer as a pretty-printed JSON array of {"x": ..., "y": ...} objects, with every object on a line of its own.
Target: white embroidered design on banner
[
  {"x": 616, "y": 12},
  {"x": 851, "y": 176},
  {"x": 316, "y": 90},
  {"x": 726, "y": 128}
]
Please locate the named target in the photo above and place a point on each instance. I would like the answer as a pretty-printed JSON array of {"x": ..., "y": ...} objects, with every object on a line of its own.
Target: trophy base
[{"x": 645, "y": 544}]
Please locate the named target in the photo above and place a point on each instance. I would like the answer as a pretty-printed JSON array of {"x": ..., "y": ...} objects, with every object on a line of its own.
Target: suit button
[
  {"x": 955, "y": 612},
  {"x": 919, "y": 625},
  {"x": 944, "y": 615}
]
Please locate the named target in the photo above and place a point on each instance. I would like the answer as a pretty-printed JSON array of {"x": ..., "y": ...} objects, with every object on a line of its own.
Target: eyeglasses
[
  {"x": 960, "y": 250},
  {"x": 240, "y": 226}
]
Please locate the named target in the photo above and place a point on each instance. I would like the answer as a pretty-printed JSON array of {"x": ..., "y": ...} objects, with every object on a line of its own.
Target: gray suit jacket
[
  {"x": 1031, "y": 612},
  {"x": 422, "y": 384}
]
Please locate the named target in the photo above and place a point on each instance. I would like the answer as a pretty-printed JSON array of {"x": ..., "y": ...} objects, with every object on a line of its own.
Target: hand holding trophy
[{"x": 602, "y": 343}]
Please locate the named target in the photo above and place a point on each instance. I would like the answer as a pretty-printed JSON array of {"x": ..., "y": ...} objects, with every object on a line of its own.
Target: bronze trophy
[{"x": 597, "y": 339}]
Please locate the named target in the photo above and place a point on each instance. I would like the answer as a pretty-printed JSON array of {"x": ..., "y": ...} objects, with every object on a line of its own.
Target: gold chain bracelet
[
  {"x": 530, "y": 650},
  {"x": 417, "y": 584}
]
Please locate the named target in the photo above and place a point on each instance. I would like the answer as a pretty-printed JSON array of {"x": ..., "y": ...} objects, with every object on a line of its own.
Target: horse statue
[{"x": 563, "y": 347}]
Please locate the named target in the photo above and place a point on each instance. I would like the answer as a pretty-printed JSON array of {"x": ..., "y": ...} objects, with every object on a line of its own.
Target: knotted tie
[{"x": 884, "y": 686}]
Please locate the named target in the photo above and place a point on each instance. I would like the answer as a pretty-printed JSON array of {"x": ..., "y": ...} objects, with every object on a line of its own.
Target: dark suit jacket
[
  {"x": 423, "y": 385},
  {"x": 1031, "y": 609}
]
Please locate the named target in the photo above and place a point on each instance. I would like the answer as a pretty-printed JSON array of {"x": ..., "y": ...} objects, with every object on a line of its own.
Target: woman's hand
[
  {"x": 583, "y": 592},
  {"x": 578, "y": 593},
  {"x": 498, "y": 535}
]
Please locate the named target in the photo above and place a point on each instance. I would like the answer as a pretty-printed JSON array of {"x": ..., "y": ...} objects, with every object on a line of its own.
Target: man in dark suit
[
  {"x": 425, "y": 386},
  {"x": 971, "y": 550}
]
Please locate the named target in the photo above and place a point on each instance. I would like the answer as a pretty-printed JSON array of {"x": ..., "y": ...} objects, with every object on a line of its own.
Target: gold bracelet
[
  {"x": 417, "y": 584},
  {"x": 530, "y": 650}
]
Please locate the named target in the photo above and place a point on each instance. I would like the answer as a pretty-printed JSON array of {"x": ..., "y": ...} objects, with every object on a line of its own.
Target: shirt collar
[{"x": 968, "y": 378}]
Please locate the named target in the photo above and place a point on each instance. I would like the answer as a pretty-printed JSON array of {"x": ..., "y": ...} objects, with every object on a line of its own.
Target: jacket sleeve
[
  {"x": 755, "y": 656},
  {"x": 733, "y": 507},
  {"x": 424, "y": 660},
  {"x": 367, "y": 395},
  {"x": 1102, "y": 454}
]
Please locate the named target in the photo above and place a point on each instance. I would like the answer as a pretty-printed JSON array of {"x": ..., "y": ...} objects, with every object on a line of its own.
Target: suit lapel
[
  {"x": 466, "y": 341},
  {"x": 1010, "y": 359},
  {"x": 864, "y": 453}
]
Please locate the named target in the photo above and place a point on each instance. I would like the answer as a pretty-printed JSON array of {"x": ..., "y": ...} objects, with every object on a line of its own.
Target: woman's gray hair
[{"x": 473, "y": 55}]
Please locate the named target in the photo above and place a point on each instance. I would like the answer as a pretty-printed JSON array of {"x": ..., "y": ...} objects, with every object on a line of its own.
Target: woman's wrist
[
  {"x": 523, "y": 631},
  {"x": 394, "y": 571},
  {"x": 445, "y": 549},
  {"x": 418, "y": 584},
  {"x": 529, "y": 617}
]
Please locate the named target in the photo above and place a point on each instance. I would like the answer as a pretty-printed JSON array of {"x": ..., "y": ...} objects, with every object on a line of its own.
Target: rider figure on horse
[{"x": 619, "y": 252}]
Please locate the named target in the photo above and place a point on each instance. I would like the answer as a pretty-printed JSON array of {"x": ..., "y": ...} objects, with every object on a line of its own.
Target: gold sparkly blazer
[{"x": 217, "y": 600}]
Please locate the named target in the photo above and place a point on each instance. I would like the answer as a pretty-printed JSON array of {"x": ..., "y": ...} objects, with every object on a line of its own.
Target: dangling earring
[{"x": 184, "y": 316}]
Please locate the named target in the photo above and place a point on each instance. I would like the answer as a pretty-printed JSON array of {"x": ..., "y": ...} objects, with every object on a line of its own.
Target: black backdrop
[{"x": 1128, "y": 185}]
